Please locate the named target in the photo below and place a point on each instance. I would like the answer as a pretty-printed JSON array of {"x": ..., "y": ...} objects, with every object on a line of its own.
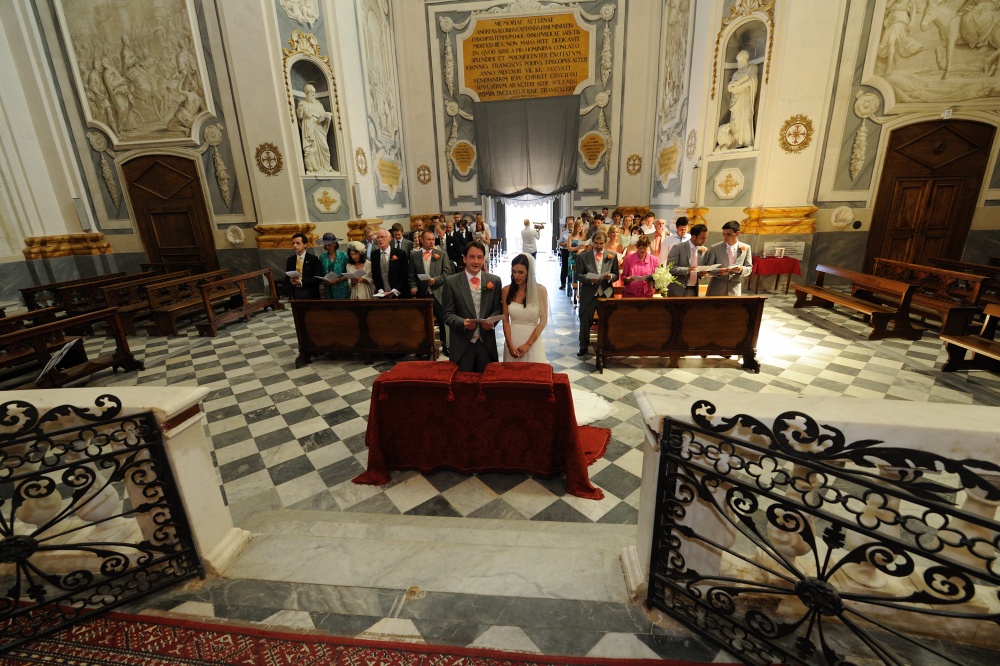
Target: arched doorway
[
  {"x": 171, "y": 213},
  {"x": 931, "y": 180}
]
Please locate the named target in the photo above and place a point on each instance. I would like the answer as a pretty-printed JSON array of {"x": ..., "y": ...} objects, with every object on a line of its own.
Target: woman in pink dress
[{"x": 637, "y": 269}]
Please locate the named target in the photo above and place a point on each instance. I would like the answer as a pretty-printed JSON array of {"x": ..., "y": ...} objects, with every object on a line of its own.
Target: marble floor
[{"x": 493, "y": 560}]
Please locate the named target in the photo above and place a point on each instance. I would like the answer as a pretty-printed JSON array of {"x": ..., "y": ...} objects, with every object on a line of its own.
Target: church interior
[{"x": 203, "y": 134}]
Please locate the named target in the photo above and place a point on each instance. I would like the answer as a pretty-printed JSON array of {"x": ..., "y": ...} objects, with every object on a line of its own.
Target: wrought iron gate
[
  {"x": 788, "y": 544},
  {"x": 90, "y": 517}
]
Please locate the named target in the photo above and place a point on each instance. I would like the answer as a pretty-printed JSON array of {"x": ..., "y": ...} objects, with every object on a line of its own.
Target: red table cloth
[
  {"x": 514, "y": 417},
  {"x": 776, "y": 266}
]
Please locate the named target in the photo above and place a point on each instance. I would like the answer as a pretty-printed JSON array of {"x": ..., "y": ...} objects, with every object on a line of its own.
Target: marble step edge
[{"x": 438, "y": 529}]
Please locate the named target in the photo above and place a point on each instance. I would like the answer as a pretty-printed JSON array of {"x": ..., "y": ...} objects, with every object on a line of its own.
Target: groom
[{"x": 469, "y": 295}]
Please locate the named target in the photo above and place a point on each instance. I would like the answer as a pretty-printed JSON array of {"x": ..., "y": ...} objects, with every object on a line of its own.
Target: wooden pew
[
  {"x": 192, "y": 267},
  {"x": 78, "y": 299},
  {"x": 30, "y": 349},
  {"x": 679, "y": 326},
  {"x": 247, "y": 307},
  {"x": 40, "y": 296},
  {"x": 19, "y": 322},
  {"x": 366, "y": 327},
  {"x": 957, "y": 338},
  {"x": 894, "y": 310},
  {"x": 990, "y": 290},
  {"x": 937, "y": 290},
  {"x": 130, "y": 297},
  {"x": 170, "y": 300}
]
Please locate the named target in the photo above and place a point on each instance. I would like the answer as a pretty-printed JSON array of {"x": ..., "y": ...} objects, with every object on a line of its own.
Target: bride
[{"x": 525, "y": 314}]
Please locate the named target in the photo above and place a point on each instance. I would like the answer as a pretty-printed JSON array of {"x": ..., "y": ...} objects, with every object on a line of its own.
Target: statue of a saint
[
  {"x": 743, "y": 93},
  {"x": 315, "y": 121}
]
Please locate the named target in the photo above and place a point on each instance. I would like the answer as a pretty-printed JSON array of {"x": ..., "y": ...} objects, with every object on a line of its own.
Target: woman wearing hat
[
  {"x": 362, "y": 287},
  {"x": 334, "y": 261}
]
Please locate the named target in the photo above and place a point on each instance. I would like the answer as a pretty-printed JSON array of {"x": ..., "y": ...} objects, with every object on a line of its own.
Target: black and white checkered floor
[{"x": 288, "y": 438}]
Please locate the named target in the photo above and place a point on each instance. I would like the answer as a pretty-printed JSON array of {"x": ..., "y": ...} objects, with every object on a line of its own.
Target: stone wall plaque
[
  {"x": 666, "y": 162},
  {"x": 592, "y": 148},
  {"x": 463, "y": 155},
  {"x": 522, "y": 57},
  {"x": 389, "y": 173},
  {"x": 728, "y": 183},
  {"x": 326, "y": 200}
]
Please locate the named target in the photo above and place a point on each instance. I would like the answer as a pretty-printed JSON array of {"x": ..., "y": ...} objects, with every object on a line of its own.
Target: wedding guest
[
  {"x": 648, "y": 226},
  {"x": 614, "y": 245},
  {"x": 482, "y": 232},
  {"x": 638, "y": 268},
  {"x": 389, "y": 267},
  {"x": 577, "y": 243},
  {"x": 414, "y": 236},
  {"x": 564, "y": 234},
  {"x": 681, "y": 227},
  {"x": 361, "y": 287},
  {"x": 398, "y": 242},
  {"x": 686, "y": 257},
  {"x": 370, "y": 245},
  {"x": 433, "y": 262},
  {"x": 309, "y": 268},
  {"x": 525, "y": 313},
  {"x": 660, "y": 234},
  {"x": 605, "y": 266},
  {"x": 333, "y": 261}
]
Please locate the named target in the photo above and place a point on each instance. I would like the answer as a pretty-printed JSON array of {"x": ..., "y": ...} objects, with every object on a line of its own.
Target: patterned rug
[{"x": 116, "y": 639}]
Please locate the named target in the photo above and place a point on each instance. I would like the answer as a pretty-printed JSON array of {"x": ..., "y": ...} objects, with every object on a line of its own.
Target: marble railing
[{"x": 790, "y": 527}]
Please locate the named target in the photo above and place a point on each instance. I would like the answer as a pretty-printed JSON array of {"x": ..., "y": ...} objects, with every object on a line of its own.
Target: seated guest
[
  {"x": 638, "y": 268},
  {"x": 309, "y": 268},
  {"x": 398, "y": 241},
  {"x": 333, "y": 261},
  {"x": 389, "y": 267},
  {"x": 361, "y": 287}
]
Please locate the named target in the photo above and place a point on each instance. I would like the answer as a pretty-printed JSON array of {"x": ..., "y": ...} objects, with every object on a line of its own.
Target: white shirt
[
  {"x": 668, "y": 243},
  {"x": 648, "y": 230},
  {"x": 528, "y": 238}
]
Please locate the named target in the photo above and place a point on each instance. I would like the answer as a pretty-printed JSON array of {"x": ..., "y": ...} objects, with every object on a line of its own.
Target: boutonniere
[
  {"x": 702, "y": 249},
  {"x": 436, "y": 255},
  {"x": 394, "y": 257},
  {"x": 489, "y": 286}
]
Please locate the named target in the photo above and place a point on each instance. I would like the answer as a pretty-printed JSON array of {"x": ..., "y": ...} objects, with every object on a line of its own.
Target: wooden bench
[
  {"x": 192, "y": 267},
  {"x": 366, "y": 326},
  {"x": 679, "y": 326},
  {"x": 895, "y": 308},
  {"x": 990, "y": 290},
  {"x": 19, "y": 322},
  {"x": 30, "y": 349},
  {"x": 937, "y": 290},
  {"x": 85, "y": 297},
  {"x": 247, "y": 307},
  {"x": 40, "y": 296},
  {"x": 170, "y": 300},
  {"x": 957, "y": 338},
  {"x": 131, "y": 299}
]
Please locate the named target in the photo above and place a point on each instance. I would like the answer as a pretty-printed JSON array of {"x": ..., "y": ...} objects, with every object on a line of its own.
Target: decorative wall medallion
[
  {"x": 634, "y": 164},
  {"x": 326, "y": 200},
  {"x": 592, "y": 147},
  {"x": 463, "y": 156},
  {"x": 795, "y": 134},
  {"x": 268, "y": 158},
  {"x": 361, "y": 161},
  {"x": 423, "y": 174},
  {"x": 235, "y": 236},
  {"x": 728, "y": 183},
  {"x": 692, "y": 144},
  {"x": 865, "y": 107}
]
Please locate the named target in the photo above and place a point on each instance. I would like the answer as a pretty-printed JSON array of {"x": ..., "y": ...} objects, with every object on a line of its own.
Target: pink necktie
[
  {"x": 474, "y": 282},
  {"x": 693, "y": 279},
  {"x": 600, "y": 258},
  {"x": 427, "y": 255}
]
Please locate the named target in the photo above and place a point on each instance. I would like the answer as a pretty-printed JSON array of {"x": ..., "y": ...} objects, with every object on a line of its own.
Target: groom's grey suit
[{"x": 459, "y": 306}]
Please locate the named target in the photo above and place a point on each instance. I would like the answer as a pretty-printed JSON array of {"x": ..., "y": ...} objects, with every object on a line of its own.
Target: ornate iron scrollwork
[
  {"x": 789, "y": 544},
  {"x": 90, "y": 517}
]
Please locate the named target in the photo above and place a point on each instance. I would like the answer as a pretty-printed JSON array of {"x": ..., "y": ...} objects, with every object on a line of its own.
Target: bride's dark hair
[{"x": 519, "y": 260}]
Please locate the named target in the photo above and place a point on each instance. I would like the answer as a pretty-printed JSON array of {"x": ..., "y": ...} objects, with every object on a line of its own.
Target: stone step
[{"x": 437, "y": 554}]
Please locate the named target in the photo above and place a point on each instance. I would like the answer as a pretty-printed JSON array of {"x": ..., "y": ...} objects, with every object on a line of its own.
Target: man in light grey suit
[
  {"x": 605, "y": 265},
  {"x": 469, "y": 295},
  {"x": 734, "y": 262},
  {"x": 432, "y": 261},
  {"x": 686, "y": 257}
]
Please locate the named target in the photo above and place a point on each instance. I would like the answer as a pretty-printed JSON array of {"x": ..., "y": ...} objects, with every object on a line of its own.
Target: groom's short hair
[
  {"x": 476, "y": 243},
  {"x": 697, "y": 230}
]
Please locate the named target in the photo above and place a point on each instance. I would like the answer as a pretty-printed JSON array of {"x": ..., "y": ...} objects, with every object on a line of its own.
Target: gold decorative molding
[
  {"x": 779, "y": 220},
  {"x": 356, "y": 228},
  {"x": 634, "y": 164},
  {"x": 795, "y": 134},
  {"x": 279, "y": 236},
  {"x": 696, "y": 216},
  {"x": 269, "y": 159},
  {"x": 49, "y": 247}
]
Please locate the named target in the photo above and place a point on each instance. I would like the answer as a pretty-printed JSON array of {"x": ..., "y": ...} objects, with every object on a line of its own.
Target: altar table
[
  {"x": 776, "y": 266},
  {"x": 514, "y": 417}
]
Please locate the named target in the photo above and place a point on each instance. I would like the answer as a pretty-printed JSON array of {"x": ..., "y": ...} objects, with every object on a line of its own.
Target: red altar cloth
[
  {"x": 515, "y": 417},
  {"x": 776, "y": 266}
]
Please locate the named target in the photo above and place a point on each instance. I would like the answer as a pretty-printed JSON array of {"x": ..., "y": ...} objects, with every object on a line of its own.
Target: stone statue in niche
[
  {"x": 315, "y": 121},
  {"x": 738, "y": 132}
]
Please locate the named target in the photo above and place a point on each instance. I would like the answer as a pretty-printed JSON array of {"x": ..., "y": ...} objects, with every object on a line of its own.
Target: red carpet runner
[{"x": 114, "y": 639}]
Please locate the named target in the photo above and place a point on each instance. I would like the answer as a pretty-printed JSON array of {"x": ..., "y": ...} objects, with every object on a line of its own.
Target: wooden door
[
  {"x": 170, "y": 211},
  {"x": 931, "y": 181}
]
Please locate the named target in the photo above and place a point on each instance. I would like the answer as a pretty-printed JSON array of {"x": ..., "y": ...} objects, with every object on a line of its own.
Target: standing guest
[
  {"x": 441, "y": 236},
  {"x": 596, "y": 225},
  {"x": 603, "y": 264},
  {"x": 648, "y": 226},
  {"x": 686, "y": 257},
  {"x": 370, "y": 245},
  {"x": 398, "y": 241},
  {"x": 470, "y": 295},
  {"x": 638, "y": 268},
  {"x": 414, "y": 236},
  {"x": 389, "y": 267},
  {"x": 563, "y": 244},
  {"x": 604, "y": 213},
  {"x": 334, "y": 261},
  {"x": 525, "y": 313},
  {"x": 431, "y": 261},
  {"x": 616, "y": 219},
  {"x": 614, "y": 245},
  {"x": 482, "y": 232},
  {"x": 308, "y": 266},
  {"x": 577, "y": 243},
  {"x": 361, "y": 287},
  {"x": 681, "y": 227},
  {"x": 529, "y": 238},
  {"x": 734, "y": 259},
  {"x": 451, "y": 242},
  {"x": 660, "y": 234}
]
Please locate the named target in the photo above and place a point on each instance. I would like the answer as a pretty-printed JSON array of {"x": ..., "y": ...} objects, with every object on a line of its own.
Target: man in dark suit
[
  {"x": 389, "y": 266},
  {"x": 308, "y": 266},
  {"x": 686, "y": 257},
  {"x": 451, "y": 244},
  {"x": 398, "y": 242},
  {"x": 470, "y": 295},
  {"x": 430, "y": 260},
  {"x": 603, "y": 264}
]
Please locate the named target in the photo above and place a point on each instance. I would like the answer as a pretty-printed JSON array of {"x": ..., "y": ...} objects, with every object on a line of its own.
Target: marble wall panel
[
  {"x": 845, "y": 249},
  {"x": 981, "y": 245}
]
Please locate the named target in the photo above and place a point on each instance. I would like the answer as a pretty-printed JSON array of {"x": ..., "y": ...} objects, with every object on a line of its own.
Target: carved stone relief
[
  {"x": 924, "y": 53},
  {"x": 303, "y": 11},
  {"x": 670, "y": 126},
  {"x": 138, "y": 68}
]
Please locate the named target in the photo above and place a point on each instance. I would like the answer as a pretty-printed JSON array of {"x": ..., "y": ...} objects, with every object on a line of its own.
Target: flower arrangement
[{"x": 663, "y": 279}]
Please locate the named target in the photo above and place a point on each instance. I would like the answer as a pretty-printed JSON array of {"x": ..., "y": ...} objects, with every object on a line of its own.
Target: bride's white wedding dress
[{"x": 523, "y": 321}]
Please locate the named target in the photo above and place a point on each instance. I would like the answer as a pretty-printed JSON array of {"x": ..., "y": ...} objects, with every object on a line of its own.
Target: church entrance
[
  {"x": 540, "y": 215},
  {"x": 171, "y": 213},
  {"x": 931, "y": 181}
]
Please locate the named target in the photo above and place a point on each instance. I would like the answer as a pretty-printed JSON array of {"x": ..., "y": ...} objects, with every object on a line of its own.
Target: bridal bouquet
[{"x": 663, "y": 279}]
